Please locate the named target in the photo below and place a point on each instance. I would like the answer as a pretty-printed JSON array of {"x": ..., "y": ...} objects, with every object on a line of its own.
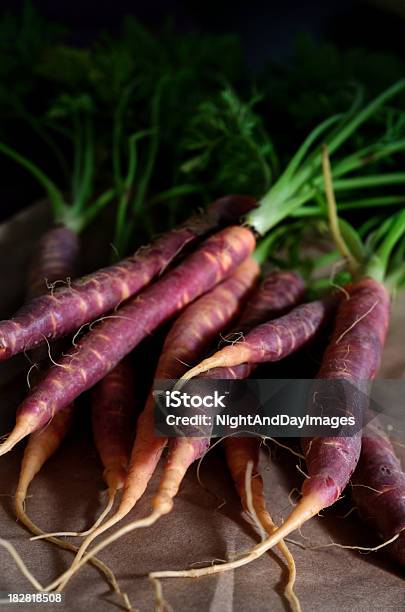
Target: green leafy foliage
[
  {"x": 168, "y": 120},
  {"x": 226, "y": 139}
]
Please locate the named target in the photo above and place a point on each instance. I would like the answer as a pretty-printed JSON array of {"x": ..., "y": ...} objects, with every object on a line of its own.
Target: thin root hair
[
  {"x": 51, "y": 359},
  {"x": 249, "y": 500},
  {"x": 301, "y": 471},
  {"x": 115, "y": 250},
  {"x": 228, "y": 339},
  {"x": 348, "y": 513},
  {"x": 285, "y": 446},
  {"x": 161, "y": 604},
  {"x": 366, "y": 487},
  {"x": 291, "y": 493},
  {"x": 360, "y": 318},
  {"x": 366, "y": 549},
  {"x": 21, "y": 565},
  {"x": 32, "y": 367}
]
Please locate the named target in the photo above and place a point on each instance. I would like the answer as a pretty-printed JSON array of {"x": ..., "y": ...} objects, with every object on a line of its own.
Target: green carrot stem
[
  {"x": 314, "y": 211},
  {"x": 372, "y": 202},
  {"x": 117, "y": 132},
  {"x": 364, "y": 182},
  {"x": 265, "y": 246},
  {"x": 77, "y": 156},
  {"x": 53, "y": 193},
  {"x": 368, "y": 225},
  {"x": 341, "y": 245},
  {"x": 45, "y": 137},
  {"x": 306, "y": 145},
  {"x": 86, "y": 178},
  {"x": 395, "y": 233},
  {"x": 367, "y": 155},
  {"x": 363, "y": 115},
  {"x": 151, "y": 154},
  {"x": 174, "y": 192},
  {"x": 125, "y": 190}
]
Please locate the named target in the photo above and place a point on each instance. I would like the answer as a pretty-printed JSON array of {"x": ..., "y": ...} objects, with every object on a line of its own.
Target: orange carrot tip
[{"x": 38, "y": 450}]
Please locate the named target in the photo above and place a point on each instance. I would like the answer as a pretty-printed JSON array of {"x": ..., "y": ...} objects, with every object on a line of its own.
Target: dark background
[{"x": 267, "y": 30}]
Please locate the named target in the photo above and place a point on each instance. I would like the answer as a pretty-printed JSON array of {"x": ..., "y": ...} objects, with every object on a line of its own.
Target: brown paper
[{"x": 206, "y": 523}]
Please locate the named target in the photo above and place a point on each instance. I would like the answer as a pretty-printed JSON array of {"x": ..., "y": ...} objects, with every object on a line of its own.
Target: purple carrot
[
  {"x": 113, "y": 412},
  {"x": 54, "y": 260},
  {"x": 379, "y": 490},
  {"x": 191, "y": 335},
  {"x": 102, "y": 348},
  {"x": 353, "y": 354},
  {"x": 271, "y": 341},
  {"x": 68, "y": 308}
]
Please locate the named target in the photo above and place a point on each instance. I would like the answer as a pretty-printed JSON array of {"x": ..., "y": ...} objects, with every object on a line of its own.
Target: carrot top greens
[
  {"x": 302, "y": 180},
  {"x": 117, "y": 111},
  {"x": 379, "y": 253},
  {"x": 154, "y": 120}
]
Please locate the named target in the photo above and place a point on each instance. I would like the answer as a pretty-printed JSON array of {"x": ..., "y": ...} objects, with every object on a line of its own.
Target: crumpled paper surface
[{"x": 206, "y": 522}]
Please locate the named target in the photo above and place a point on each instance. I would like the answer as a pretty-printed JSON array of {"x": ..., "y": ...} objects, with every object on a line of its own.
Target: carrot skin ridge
[
  {"x": 354, "y": 354},
  {"x": 379, "y": 493},
  {"x": 112, "y": 411},
  {"x": 68, "y": 308},
  {"x": 101, "y": 349}
]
